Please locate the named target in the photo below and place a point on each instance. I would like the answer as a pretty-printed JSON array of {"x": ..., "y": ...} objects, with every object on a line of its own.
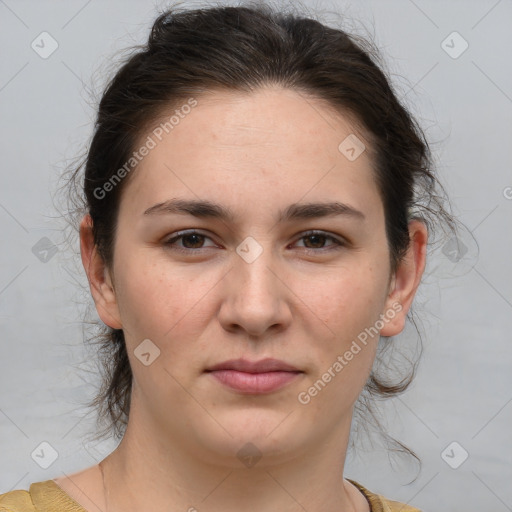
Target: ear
[
  {"x": 406, "y": 280},
  {"x": 100, "y": 282}
]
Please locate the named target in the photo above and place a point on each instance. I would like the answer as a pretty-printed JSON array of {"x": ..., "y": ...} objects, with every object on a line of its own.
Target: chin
[{"x": 252, "y": 436}]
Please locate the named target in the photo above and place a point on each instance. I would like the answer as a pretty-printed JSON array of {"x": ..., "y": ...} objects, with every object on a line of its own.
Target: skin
[{"x": 255, "y": 153}]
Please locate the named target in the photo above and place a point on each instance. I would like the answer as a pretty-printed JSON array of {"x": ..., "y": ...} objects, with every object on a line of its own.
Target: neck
[{"x": 152, "y": 471}]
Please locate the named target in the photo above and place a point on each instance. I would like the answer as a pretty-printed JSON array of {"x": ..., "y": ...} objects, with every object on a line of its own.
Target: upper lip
[{"x": 262, "y": 366}]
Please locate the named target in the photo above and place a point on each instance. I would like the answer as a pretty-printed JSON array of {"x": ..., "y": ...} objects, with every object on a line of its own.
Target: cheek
[
  {"x": 158, "y": 300},
  {"x": 347, "y": 306},
  {"x": 345, "y": 300}
]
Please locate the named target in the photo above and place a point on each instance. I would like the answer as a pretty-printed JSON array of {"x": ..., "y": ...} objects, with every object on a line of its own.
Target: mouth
[{"x": 258, "y": 377}]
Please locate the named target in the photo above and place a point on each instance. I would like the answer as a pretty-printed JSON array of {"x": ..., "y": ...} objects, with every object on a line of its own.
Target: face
[{"x": 310, "y": 290}]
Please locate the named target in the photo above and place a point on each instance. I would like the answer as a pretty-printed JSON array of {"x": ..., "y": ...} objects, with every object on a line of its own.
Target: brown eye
[
  {"x": 193, "y": 240},
  {"x": 317, "y": 240},
  {"x": 190, "y": 241}
]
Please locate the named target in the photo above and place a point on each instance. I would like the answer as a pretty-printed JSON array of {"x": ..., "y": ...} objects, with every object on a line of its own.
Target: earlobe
[
  {"x": 98, "y": 275},
  {"x": 406, "y": 279}
]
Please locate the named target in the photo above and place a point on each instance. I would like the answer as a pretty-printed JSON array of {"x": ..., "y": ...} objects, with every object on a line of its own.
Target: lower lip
[{"x": 254, "y": 383}]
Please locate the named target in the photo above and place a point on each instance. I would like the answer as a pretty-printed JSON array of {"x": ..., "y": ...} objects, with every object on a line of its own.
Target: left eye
[
  {"x": 194, "y": 240},
  {"x": 318, "y": 237}
]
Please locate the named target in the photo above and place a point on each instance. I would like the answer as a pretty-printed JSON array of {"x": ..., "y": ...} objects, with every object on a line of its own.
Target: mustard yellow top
[{"x": 47, "y": 496}]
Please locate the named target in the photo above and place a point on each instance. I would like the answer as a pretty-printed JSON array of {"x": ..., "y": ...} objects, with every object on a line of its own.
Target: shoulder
[
  {"x": 379, "y": 503},
  {"x": 395, "y": 506},
  {"x": 42, "y": 496},
  {"x": 16, "y": 501}
]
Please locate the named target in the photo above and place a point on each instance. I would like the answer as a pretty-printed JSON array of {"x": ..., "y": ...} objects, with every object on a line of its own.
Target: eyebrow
[{"x": 208, "y": 209}]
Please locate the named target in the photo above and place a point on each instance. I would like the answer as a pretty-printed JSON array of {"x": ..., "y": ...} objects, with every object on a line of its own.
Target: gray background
[{"x": 463, "y": 389}]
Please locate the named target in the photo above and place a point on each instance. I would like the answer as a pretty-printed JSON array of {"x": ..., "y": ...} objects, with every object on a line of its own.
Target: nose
[{"x": 256, "y": 298}]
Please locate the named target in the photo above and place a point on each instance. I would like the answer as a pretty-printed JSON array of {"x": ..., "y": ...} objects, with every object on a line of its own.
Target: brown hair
[{"x": 241, "y": 49}]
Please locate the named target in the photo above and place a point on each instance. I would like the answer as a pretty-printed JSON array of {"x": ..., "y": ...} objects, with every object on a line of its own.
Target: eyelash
[{"x": 171, "y": 241}]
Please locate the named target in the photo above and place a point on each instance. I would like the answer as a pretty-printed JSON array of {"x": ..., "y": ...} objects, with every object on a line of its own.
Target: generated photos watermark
[
  {"x": 304, "y": 397},
  {"x": 149, "y": 144}
]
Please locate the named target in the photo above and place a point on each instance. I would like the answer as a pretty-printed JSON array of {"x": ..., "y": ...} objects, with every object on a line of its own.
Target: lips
[
  {"x": 262, "y": 366},
  {"x": 264, "y": 376}
]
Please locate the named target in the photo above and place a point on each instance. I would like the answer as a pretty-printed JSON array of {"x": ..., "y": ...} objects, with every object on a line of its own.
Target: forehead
[
  {"x": 271, "y": 115},
  {"x": 262, "y": 146}
]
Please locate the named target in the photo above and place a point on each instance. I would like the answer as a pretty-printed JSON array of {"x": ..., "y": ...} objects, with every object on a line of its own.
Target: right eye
[{"x": 188, "y": 238}]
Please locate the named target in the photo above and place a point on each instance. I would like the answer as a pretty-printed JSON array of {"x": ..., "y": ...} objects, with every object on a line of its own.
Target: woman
[{"x": 256, "y": 218}]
